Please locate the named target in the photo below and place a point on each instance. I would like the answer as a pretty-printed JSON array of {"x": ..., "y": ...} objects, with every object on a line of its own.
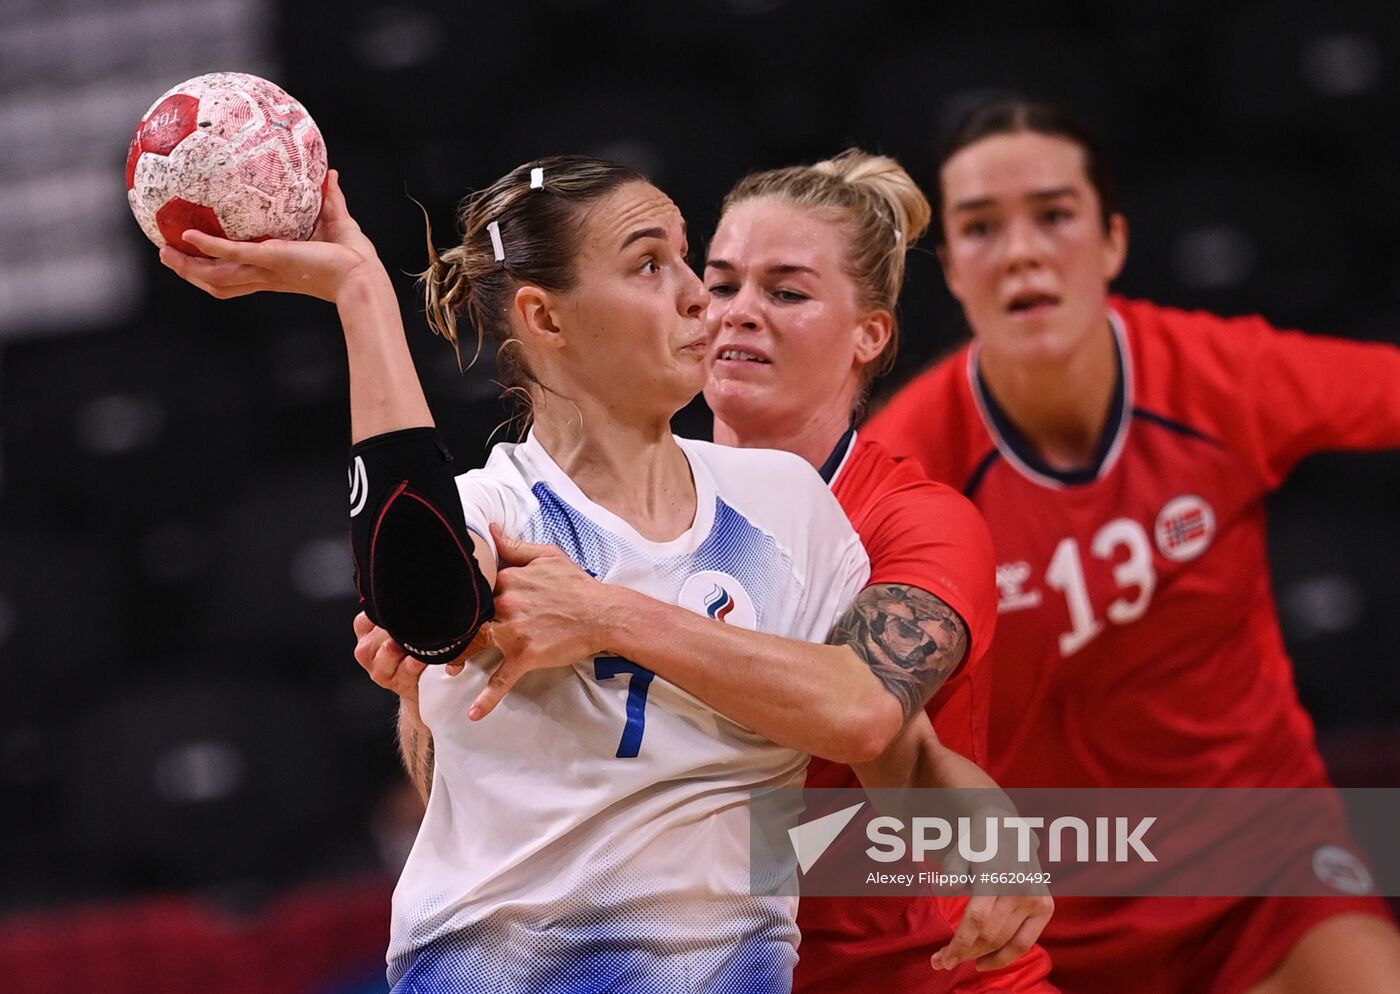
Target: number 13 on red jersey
[{"x": 1183, "y": 530}]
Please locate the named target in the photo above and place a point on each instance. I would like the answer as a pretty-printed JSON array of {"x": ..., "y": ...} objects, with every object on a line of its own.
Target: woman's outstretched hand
[{"x": 337, "y": 254}]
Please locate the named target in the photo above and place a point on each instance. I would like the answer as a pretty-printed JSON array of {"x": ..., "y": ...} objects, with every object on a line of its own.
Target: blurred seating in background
[{"x": 326, "y": 939}]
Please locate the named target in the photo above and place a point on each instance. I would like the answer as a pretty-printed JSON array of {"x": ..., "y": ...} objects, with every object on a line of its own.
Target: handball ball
[{"x": 229, "y": 154}]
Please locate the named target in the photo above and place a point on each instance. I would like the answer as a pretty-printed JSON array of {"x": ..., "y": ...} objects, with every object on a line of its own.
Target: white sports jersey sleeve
[{"x": 595, "y": 826}]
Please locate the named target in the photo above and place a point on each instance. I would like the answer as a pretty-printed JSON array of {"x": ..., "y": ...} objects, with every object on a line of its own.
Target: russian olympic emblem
[
  {"x": 1185, "y": 528},
  {"x": 719, "y": 596},
  {"x": 719, "y": 605}
]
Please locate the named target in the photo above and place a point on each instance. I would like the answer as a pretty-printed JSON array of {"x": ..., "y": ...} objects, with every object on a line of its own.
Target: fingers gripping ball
[
  {"x": 414, "y": 567},
  {"x": 229, "y": 154}
]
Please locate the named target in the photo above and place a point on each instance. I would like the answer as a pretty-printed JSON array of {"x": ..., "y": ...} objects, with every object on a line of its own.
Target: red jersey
[
  {"x": 1138, "y": 643},
  {"x": 926, "y": 535}
]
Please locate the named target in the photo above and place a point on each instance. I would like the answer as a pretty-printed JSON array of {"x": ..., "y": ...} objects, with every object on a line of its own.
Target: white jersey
[{"x": 592, "y": 832}]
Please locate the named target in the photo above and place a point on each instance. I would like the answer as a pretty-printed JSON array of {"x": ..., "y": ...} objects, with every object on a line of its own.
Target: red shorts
[{"x": 1176, "y": 945}]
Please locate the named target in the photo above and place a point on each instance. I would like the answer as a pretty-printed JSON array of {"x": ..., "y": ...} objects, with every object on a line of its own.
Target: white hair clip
[
  {"x": 898, "y": 235},
  {"x": 494, "y": 230},
  {"x": 537, "y": 178}
]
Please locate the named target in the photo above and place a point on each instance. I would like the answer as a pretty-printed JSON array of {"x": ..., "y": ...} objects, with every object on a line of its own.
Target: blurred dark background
[{"x": 182, "y": 713}]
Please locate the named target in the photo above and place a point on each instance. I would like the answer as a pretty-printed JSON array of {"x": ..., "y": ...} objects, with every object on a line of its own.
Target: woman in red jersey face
[
  {"x": 1026, "y": 251},
  {"x": 1029, "y": 254},
  {"x": 789, "y": 336},
  {"x": 1121, "y": 453}
]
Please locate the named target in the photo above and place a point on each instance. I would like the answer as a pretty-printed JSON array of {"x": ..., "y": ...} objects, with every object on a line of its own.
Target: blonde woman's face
[
  {"x": 1026, "y": 253},
  {"x": 784, "y": 322},
  {"x": 632, "y": 323}
]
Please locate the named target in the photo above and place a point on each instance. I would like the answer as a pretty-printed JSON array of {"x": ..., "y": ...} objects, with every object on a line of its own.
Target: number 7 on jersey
[{"x": 608, "y": 667}]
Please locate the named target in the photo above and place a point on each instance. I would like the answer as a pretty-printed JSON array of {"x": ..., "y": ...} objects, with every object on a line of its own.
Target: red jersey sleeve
[
  {"x": 1307, "y": 393},
  {"x": 927, "y": 535}
]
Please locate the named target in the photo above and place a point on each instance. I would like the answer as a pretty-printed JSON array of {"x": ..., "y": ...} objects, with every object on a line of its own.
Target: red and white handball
[{"x": 230, "y": 154}]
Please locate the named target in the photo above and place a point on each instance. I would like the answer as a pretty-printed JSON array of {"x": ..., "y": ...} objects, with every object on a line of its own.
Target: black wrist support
[{"x": 414, "y": 567}]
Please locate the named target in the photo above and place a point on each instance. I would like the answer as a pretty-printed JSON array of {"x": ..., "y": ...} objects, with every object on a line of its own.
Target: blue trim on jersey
[
  {"x": 733, "y": 546},
  {"x": 736, "y": 547},
  {"x": 584, "y": 542},
  {"x": 1180, "y": 428},
  {"x": 569, "y": 959},
  {"x": 975, "y": 480},
  {"x": 833, "y": 461},
  {"x": 1027, "y": 454},
  {"x": 479, "y": 533}
]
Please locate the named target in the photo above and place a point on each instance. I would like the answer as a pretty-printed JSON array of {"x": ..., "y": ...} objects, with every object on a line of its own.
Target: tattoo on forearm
[{"x": 909, "y": 638}]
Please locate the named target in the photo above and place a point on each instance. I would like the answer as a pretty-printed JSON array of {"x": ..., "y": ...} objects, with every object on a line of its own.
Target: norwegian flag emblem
[{"x": 1185, "y": 528}]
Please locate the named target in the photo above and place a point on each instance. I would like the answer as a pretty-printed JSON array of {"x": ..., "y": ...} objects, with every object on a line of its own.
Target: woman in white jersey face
[{"x": 632, "y": 317}]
